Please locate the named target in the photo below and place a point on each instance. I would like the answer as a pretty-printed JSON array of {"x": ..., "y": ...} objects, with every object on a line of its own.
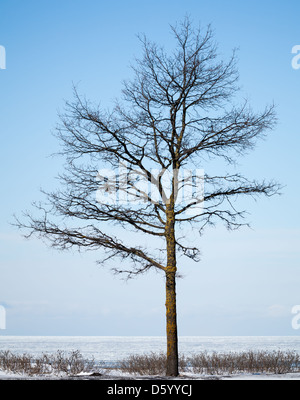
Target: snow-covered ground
[
  {"x": 118, "y": 375},
  {"x": 290, "y": 376}
]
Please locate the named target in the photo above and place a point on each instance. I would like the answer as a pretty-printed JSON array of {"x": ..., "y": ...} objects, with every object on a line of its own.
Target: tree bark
[{"x": 171, "y": 313}]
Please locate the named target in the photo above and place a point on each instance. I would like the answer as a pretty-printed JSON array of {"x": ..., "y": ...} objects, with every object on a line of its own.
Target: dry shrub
[
  {"x": 148, "y": 364},
  {"x": 58, "y": 363},
  {"x": 276, "y": 362}
]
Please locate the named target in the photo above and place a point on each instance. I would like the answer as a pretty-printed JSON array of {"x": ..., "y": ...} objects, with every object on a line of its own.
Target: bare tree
[{"x": 176, "y": 114}]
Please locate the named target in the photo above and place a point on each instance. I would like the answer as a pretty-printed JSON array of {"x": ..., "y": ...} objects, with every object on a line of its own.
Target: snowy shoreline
[
  {"x": 99, "y": 358},
  {"x": 116, "y": 375}
]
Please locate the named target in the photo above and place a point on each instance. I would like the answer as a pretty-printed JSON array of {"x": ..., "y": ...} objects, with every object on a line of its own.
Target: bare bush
[
  {"x": 148, "y": 364},
  {"x": 58, "y": 363},
  {"x": 276, "y": 362},
  {"x": 204, "y": 363}
]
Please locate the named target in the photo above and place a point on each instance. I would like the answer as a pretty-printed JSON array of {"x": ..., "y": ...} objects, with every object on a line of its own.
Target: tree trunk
[{"x": 171, "y": 313}]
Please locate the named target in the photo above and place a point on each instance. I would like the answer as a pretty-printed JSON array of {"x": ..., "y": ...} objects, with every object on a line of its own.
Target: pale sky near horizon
[{"x": 247, "y": 281}]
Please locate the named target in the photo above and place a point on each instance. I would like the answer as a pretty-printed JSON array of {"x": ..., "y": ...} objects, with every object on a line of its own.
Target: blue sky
[{"x": 248, "y": 281}]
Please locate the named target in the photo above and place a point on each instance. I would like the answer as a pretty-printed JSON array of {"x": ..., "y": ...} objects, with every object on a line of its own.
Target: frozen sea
[{"x": 108, "y": 350}]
